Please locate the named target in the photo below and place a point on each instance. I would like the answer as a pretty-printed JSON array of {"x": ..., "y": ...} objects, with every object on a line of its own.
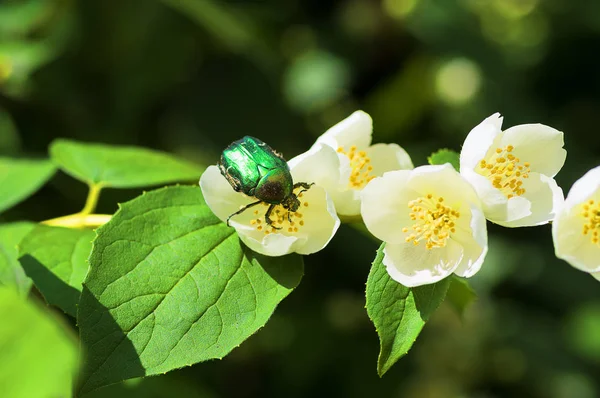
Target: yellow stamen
[
  {"x": 434, "y": 224},
  {"x": 361, "y": 167},
  {"x": 505, "y": 171},
  {"x": 590, "y": 211},
  {"x": 283, "y": 220}
]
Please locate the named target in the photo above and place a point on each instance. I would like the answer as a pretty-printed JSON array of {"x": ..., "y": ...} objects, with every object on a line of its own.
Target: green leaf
[
  {"x": 398, "y": 312},
  {"x": 11, "y": 273},
  {"x": 444, "y": 156},
  {"x": 55, "y": 258},
  {"x": 460, "y": 294},
  {"x": 170, "y": 285},
  {"x": 23, "y": 177},
  {"x": 39, "y": 358},
  {"x": 120, "y": 166}
]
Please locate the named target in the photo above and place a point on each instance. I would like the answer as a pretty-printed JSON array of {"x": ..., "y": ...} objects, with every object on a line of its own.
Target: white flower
[
  {"x": 512, "y": 171},
  {"x": 359, "y": 161},
  {"x": 576, "y": 228},
  {"x": 431, "y": 220},
  {"x": 305, "y": 231}
]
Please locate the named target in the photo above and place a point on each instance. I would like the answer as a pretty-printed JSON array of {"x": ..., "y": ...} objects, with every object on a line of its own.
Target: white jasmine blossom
[
  {"x": 304, "y": 231},
  {"x": 359, "y": 161},
  {"x": 512, "y": 171},
  {"x": 576, "y": 228},
  {"x": 431, "y": 220}
]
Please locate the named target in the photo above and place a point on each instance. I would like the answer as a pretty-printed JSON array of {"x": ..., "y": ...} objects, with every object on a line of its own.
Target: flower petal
[
  {"x": 584, "y": 257},
  {"x": 443, "y": 180},
  {"x": 545, "y": 197},
  {"x": 538, "y": 144},
  {"x": 570, "y": 244},
  {"x": 479, "y": 140},
  {"x": 415, "y": 266},
  {"x": 596, "y": 275},
  {"x": 320, "y": 222},
  {"x": 583, "y": 188},
  {"x": 325, "y": 167},
  {"x": 347, "y": 202},
  {"x": 270, "y": 245},
  {"x": 315, "y": 221},
  {"x": 356, "y": 130},
  {"x": 496, "y": 206},
  {"x": 474, "y": 242},
  {"x": 567, "y": 233},
  {"x": 384, "y": 205},
  {"x": 219, "y": 195},
  {"x": 388, "y": 157},
  {"x": 319, "y": 165}
]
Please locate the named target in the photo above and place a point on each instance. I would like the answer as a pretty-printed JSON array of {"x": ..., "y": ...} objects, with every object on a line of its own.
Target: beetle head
[{"x": 291, "y": 202}]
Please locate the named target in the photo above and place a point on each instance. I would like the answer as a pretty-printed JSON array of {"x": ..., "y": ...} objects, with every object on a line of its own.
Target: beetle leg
[
  {"x": 242, "y": 210},
  {"x": 303, "y": 185},
  {"x": 268, "y": 217}
]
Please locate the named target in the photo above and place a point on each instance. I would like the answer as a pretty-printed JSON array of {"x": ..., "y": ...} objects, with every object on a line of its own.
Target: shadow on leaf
[
  {"x": 98, "y": 328},
  {"x": 277, "y": 267},
  {"x": 429, "y": 297},
  {"x": 55, "y": 291}
]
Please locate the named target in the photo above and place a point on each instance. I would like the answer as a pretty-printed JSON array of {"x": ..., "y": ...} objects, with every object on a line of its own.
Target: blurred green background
[{"x": 190, "y": 76}]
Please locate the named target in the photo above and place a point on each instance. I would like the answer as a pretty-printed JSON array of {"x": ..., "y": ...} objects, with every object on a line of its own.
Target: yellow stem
[
  {"x": 92, "y": 199},
  {"x": 79, "y": 220}
]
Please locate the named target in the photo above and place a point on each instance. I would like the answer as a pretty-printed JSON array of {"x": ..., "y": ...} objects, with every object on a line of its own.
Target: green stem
[
  {"x": 79, "y": 220},
  {"x": 92, "y": 199}
]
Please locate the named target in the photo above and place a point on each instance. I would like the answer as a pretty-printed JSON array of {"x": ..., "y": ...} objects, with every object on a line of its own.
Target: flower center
[
  {"x": 591, "y": 212},
  {"x": 505, "y": 171},
  {"x": 434, "y": 221},
  {"x": 360, "y": 165},
  {"x": 282, "y": 219}
]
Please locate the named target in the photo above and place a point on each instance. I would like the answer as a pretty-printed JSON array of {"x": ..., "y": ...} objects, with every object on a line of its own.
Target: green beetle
[{"x": 254, "y": 168}]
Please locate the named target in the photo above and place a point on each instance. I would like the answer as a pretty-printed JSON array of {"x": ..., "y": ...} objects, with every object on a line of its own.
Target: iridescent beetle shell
[{"x": 254, "y": 168}]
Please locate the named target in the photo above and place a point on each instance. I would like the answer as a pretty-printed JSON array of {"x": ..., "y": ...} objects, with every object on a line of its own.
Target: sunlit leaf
[
  {"x": 398, "y": 312},
  {"x": 55, "y": 258},
  {"x": 24, "y": 177},
  {"x": 39, "y": 359},
  {"x": 444, "y": 156},
  {"x": 120, "y": 166},
  {"x": 170, "y": 285},
  {"x": 11, "y": 273}
]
